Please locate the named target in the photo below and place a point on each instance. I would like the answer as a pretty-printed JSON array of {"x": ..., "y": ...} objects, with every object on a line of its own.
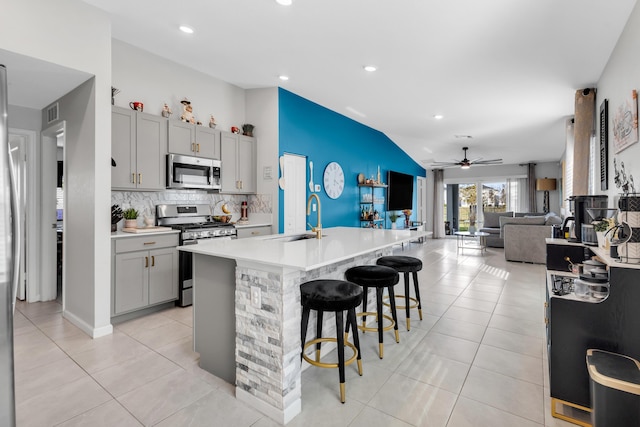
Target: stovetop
[{"x": 194, "y": 221}]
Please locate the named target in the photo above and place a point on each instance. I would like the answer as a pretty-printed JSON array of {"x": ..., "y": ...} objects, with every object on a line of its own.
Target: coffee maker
[{"x": 579, "y": 206}]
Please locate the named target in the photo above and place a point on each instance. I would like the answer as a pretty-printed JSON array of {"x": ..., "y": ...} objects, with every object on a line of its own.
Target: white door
[
  {"x": 51, "y": 138},
  {"x": 421, "y": 215},
  {"x": 295, "y": 192},
  {"x": 18, "y": 150}
]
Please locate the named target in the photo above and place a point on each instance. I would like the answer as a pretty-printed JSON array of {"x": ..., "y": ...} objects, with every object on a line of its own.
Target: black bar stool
[
  {"x": 379, "y": 277},
  {"x": 336, "y": 296},
  {"x": 406, "y": 265}
]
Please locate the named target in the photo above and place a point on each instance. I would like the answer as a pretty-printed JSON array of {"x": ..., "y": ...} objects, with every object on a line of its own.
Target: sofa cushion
[
  {"x": 492, "y": 219},
  {"x": 551, "y": 218},
  {"x": 532, "y": 220}
]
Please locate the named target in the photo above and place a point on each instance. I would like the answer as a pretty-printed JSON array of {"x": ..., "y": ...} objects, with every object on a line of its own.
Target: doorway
[{"x": 52, "y": 206}]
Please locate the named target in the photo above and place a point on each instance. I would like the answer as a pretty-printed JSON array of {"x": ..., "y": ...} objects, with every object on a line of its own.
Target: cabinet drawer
[
  {"x": 253, "y": 231},
  {"x": 130, "y": 244}
]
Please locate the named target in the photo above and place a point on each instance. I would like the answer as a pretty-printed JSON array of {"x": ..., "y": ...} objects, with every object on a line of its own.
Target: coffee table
[{"x": 472, "y": 240}]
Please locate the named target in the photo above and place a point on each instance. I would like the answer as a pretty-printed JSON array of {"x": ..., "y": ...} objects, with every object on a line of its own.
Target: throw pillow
[
  {"x": 492, "y": 219},
  {"x": 551, "y": 218}
]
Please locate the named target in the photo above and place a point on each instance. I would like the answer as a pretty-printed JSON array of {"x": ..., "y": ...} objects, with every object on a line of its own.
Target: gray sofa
[
  {"x": 491, "y": 225},
  {"x": 524, "y": 237}
]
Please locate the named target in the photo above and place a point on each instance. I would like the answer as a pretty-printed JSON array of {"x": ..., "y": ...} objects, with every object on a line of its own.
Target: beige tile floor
[{"x": 476, "y": 359}]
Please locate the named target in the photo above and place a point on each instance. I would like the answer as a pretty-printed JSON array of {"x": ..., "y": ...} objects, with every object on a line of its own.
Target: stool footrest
[
  {"x": 414, "y": 300},
  {"x": 373, "y": 313},
  {"x": 329, "y": 365}
]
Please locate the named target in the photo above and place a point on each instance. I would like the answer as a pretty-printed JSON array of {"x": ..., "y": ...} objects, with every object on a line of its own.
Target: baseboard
[
  {"x": 281, "y": 416},
  {"x": 86, "y": 328}
]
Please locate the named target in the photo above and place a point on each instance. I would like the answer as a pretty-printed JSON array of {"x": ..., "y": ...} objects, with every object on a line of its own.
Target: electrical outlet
[
  {"x": 317, "y": 188},
  {"x": 256, "y": 296}
]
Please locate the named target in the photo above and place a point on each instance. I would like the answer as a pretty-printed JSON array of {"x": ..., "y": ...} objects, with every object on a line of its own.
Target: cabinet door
[
  {"x": 123, "y": 152},
  {"x": 163, "y": 275},
  {"x": 182, "y": 137},
  {"x": 151, "y": 151},
  {"x": 229, "y": 157},
  {"x": 131, "y": 281},
  {"x": 207, "y": 142},
  {"x": 246, "y": 164}
]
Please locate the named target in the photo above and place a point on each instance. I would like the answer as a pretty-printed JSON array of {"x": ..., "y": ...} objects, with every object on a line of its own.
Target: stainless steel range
[{"x": 196, "y": 225}]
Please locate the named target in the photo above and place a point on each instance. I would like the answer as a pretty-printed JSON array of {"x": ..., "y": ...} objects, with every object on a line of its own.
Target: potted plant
[
  {"x": 601, "y": 227},
  {"x": 130, "y": 218},
  {"x": 393, "y": 216},
  {"x": 247, "y": 129}
]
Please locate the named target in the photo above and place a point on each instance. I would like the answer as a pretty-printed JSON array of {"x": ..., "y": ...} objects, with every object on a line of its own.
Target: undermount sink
[{"x": 295, "y": 237}]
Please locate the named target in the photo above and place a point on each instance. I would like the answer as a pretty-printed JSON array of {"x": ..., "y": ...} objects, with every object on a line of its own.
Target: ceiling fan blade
[
  {"x": 488, "y": 162},
  {"x": 475, "y": 160}
]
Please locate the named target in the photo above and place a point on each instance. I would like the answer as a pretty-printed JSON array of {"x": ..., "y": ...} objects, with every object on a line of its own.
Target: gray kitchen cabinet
[
  {"x": 244, "y": 232},
  {"x": 138, "y": 149},
  {"x": 145, "y": 272},
  {"x": 238, "y": 154},
  {"x": 193, "y": 140}
]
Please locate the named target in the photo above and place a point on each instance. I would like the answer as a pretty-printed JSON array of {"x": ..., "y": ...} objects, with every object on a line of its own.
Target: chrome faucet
[{"x": 318, "y": 228}]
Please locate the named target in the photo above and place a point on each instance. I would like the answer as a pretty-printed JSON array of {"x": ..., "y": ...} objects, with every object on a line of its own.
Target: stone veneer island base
[{"x": 247, "y": 310}]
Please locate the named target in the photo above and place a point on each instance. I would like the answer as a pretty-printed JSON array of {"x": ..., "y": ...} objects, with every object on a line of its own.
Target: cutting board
[{"x": 146, "y": 229}]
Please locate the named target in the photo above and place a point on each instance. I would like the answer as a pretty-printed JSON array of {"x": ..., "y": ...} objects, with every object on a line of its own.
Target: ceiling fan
[{"x": 466, "y": 163}]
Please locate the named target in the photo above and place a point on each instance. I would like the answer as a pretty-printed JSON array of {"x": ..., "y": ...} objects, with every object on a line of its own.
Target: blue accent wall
[{"x": 322, "y": 135}]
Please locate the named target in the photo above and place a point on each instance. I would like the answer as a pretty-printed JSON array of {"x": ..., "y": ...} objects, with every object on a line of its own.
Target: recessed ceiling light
[
  {"x": 284, "y": 2},
  {"x": 462, "y": 136},
  {"x": 438, "y": 116},
  {"x": 186, "y": 29},
  {"x": 370, "y": 68},
  {"x": 283, "y": 78}
]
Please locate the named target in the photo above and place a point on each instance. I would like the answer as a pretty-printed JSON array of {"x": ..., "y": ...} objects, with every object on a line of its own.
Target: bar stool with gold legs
[
  {"x": 406, "y": 265},
  {"x": 335, "y": 296},
  {"x": 379, "y": 277}
]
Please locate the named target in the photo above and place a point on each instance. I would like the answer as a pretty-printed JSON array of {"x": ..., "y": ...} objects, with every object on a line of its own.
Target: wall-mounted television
[{"x": 399, "y": 191}]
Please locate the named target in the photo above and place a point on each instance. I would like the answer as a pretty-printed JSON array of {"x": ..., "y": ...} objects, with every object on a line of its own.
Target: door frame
[{"x": 48, "y": 293}]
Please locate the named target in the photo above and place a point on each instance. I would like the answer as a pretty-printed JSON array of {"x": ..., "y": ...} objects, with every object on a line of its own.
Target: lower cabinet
[
  {"x": 145, "y": 272},
  {"x": 253, "y": 231}
]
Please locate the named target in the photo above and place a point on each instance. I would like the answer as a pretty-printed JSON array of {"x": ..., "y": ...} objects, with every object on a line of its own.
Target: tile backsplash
[{"x": 145, "y": 201}]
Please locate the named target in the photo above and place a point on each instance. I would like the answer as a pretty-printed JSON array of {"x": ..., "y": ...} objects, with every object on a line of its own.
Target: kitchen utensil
[
  {"x": 281, "y": 180},
  {"x": 311, "y": 187}
]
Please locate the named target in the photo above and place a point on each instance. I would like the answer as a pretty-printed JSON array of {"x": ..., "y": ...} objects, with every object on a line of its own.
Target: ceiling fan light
[{"x": 465, "y": 166}]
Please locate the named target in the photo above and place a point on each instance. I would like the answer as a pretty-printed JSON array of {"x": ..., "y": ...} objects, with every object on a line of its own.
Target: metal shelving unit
[{"x": 372, "y": 198}]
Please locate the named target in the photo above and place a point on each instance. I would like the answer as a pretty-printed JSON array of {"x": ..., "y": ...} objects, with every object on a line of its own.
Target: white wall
[
  {"x": 262, "y": 111},
  {"x": 620, "y": 76},
  {"x": 152, "y": 80},
  {"x": 73, "y": 34}
]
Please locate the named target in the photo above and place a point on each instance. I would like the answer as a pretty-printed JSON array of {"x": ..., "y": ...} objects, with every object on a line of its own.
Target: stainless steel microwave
[{"x": 193, "y": 172}]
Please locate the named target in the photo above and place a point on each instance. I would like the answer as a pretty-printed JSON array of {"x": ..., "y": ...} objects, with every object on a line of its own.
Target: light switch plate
[{"x": 317, "y": 188}]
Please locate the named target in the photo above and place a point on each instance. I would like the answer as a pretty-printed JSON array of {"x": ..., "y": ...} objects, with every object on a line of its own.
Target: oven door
[
  {"x": 185, "y": 274},
  {"x": 192, "y": 172}
]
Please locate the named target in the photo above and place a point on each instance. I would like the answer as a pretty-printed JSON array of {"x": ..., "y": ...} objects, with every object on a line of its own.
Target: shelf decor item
[
  {"x": 393, "y": 216},
  {"x": 130, "y": 218},
  {"x": 247, "y": 129},
  {"x": 116, "y": 216}
]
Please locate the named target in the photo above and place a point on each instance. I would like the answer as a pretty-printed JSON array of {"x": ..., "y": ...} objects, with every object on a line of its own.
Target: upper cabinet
[
  {"x": 138, "y": 150},
  {"x": 238, "y": 163},
  {"x": 193, "y": 140}
]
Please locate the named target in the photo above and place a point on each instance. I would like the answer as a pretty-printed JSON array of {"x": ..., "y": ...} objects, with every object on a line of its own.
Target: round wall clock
[{"x": 333, "y": 180}]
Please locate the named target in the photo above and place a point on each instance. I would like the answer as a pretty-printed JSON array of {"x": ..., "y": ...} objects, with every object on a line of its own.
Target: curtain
[
  {"x": 517, "y": 195},
  {"x": 531, "y": 185},
  {"x": 438, "y": 203}
]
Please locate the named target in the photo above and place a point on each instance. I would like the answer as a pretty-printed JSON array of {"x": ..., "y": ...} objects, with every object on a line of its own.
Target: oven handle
[{"x": 189, "y": 242}]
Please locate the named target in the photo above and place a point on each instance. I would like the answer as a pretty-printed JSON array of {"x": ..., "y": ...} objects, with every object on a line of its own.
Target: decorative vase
[
  {"x": 393, "y": 226},
  {"x": 130, "y": 223},
  {"x": 601, "y": 239}
]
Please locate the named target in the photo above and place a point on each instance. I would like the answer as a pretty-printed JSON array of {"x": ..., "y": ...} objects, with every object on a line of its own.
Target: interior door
[
  {"x": 48, "y": 221},
  {"x": 295, "y": 192}
]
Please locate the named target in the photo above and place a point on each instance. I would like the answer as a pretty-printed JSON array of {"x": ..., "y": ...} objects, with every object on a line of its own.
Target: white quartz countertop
[
  {"x": 603, "y": 254},
  {"x": 123, "y": 234},
  {"x": 337, "y": 244}
]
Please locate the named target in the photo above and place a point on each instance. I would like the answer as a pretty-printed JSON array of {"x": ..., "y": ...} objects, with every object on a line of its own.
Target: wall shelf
[{"x": 372, "y": 198}]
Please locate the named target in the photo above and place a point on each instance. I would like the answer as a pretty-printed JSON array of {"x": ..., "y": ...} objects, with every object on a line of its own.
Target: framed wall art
[
  {"x": 604, "y": 145},
  {"x": 625, "y": 123}
]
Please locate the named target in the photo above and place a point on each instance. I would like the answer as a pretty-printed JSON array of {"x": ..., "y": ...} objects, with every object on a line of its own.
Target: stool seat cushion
[
  {"x": 377, "y": 276},
  {"x": 404, "y": 264},
  {"x": 330, "y": 295}
]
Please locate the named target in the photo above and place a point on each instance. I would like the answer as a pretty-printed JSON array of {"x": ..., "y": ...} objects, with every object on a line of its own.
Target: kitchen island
[{"x": 247, "y": 309}]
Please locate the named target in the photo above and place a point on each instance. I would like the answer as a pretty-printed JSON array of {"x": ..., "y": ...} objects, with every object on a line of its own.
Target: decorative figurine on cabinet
[
  {"x": 166, "y": 111},
  {"x": 212, "y": 122},
  {"x": 187, "y": 112}
]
